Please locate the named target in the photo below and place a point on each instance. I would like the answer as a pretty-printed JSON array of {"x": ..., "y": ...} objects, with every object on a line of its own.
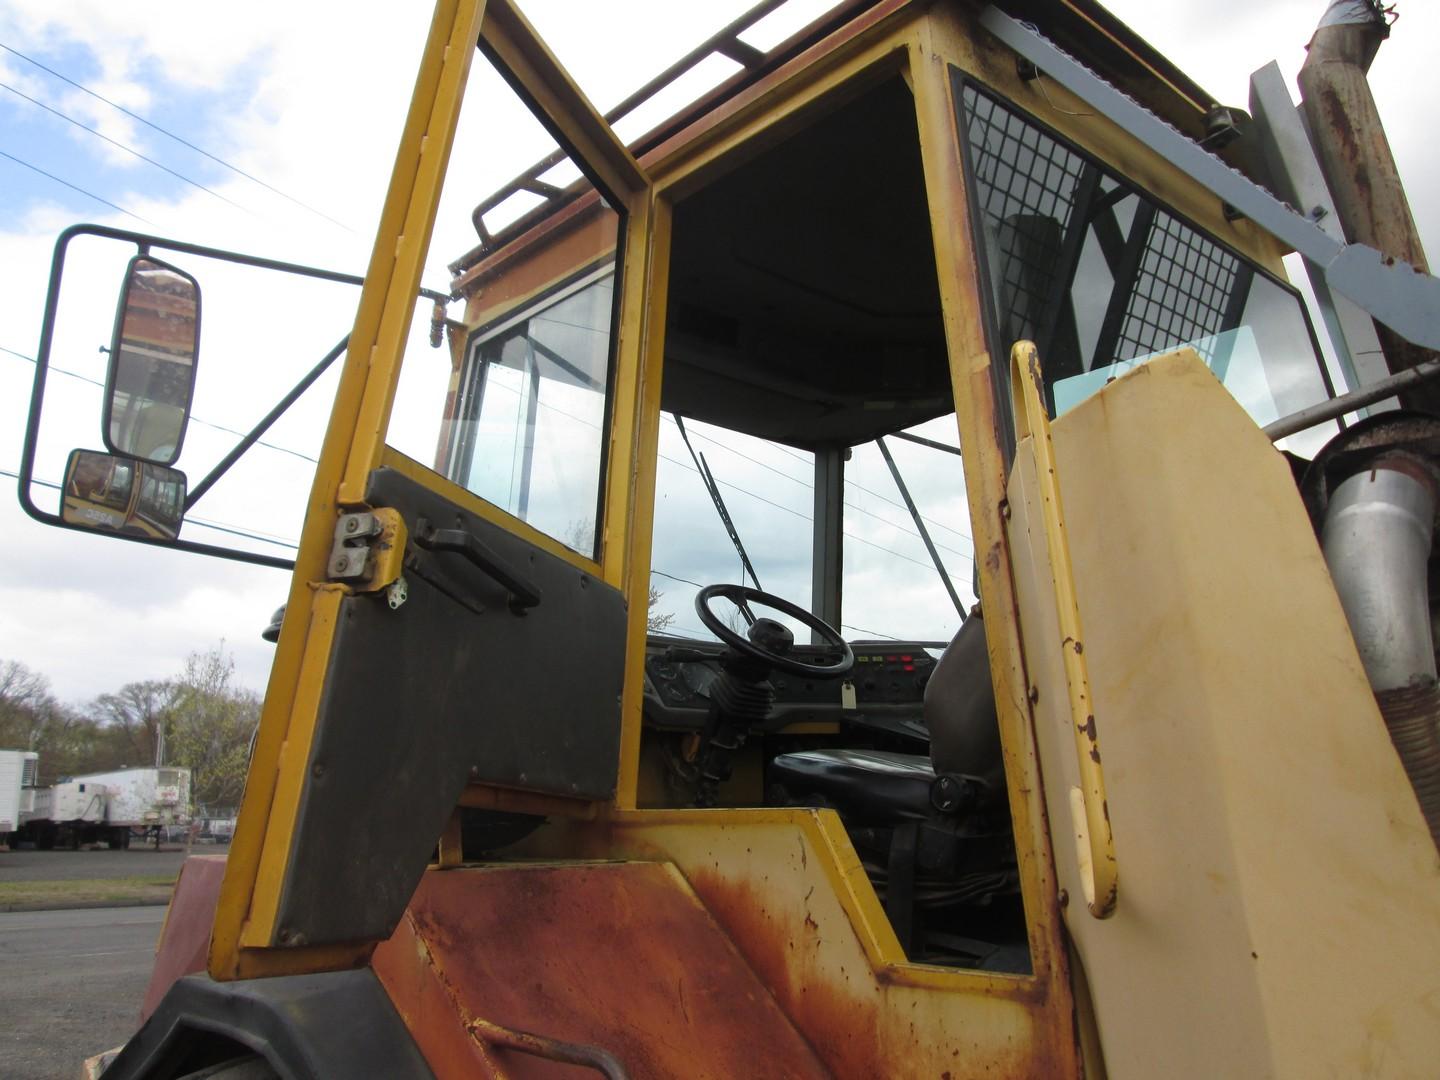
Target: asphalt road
[
  {"x": 72, "y": 983},
  {"x": 29, "y": 865}
]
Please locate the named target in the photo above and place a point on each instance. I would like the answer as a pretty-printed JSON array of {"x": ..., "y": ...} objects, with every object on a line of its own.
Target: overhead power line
[
  {"x": 171, "y": 135},
  {"x": 72, "y": 187},
  {"x": 195, "y": 419},
  {"x": 233, "y": 530},
  {"x": 122, "y": 146}
]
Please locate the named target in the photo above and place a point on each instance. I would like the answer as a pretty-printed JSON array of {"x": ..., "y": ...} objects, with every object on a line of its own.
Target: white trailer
[
  {"x": 17, "y": 784},
  {"x": 144, "y": 798},
  {"x": 70, "y": 813},
  {"x": 105, "y": 807}
]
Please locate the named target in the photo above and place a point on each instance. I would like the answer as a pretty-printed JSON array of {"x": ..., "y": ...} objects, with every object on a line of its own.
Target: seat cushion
[{"x": 866, "y": 786}]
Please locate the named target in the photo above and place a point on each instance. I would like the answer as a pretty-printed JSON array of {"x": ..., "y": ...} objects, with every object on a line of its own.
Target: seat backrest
[{"x": 960, "y": 710}]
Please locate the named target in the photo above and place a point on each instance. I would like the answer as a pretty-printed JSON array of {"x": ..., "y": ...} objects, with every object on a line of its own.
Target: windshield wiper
[
  {"x": 714, "y": 489},
  {"x": 919, "y": 521}
]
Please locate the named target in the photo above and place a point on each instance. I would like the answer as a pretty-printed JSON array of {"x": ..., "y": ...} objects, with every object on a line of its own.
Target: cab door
[{"x": 436, "y": 633}]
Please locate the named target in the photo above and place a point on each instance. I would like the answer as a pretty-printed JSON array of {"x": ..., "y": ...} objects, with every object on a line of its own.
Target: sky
[{"x": 282, "y": 129}]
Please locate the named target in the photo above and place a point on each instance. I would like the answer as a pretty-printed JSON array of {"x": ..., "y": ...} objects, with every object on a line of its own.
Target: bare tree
[
  {"x": 134, "y": 718},
  {"x": 25, "y": 701},
  {"x": 657, "y": 621}
]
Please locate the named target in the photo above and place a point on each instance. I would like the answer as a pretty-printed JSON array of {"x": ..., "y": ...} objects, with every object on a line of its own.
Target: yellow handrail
[{"x": 1095, "y": 845}]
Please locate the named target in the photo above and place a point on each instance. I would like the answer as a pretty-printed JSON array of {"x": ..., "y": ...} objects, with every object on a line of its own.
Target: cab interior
[{"x": 804, "y": 316}]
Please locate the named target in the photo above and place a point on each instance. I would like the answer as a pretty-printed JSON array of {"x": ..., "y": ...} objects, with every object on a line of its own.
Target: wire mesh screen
[
  {"x": 1182, "y": 293},
  {"x": 1026, "y": 189},
  {"x": 1183, "y": 285}
]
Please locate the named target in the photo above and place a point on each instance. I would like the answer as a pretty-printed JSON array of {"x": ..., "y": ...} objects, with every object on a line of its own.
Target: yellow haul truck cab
[{"x": 1108, "y": 791}]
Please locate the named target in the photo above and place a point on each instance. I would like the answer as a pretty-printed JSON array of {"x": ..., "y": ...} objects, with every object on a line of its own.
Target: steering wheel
[{"x": 770, "y": 640}]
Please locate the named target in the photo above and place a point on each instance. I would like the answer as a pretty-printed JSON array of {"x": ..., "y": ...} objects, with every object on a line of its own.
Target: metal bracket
[
  {"x": 369, "y": 550},
  {"x": 1391, "y": 291}
]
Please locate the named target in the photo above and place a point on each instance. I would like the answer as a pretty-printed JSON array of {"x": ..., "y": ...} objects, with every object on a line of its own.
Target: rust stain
[
  {"x": 992, "y": 559},
  {"x": 839, "y": 1024},
  {"x": 620, "y": 957},
  {"x": 428, "y": 1004}
]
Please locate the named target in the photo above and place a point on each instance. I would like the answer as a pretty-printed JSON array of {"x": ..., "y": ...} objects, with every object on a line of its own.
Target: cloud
[{"x": 312, "y": 103}]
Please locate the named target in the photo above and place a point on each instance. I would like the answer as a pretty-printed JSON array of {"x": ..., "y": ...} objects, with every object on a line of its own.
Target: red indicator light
[
  {"x": 907, "y": 659},
  {"x": 909, "y": 667},
  {"x": 891, "y": 659}
]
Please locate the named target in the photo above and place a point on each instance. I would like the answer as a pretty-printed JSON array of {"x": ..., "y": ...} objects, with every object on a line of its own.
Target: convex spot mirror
[
  {"x": 118, "y": 494},
  {"x": 151, "y": 377}
]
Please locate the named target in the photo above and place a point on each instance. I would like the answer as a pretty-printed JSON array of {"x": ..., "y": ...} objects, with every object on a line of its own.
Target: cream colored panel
[{"x": 1279, "y": 896}]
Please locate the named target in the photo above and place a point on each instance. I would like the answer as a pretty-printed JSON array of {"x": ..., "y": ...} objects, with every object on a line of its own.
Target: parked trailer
[
  {"x": 17, "y": 783},
  {"x": 145, "y": 798},
  {"x": 69, "y": 814}
]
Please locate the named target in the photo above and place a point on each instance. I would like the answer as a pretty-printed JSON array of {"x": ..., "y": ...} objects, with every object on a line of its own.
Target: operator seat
[
  {"x": 908, "y": 794},
  {"x": 960, "y": 710},
  {"x": 876, "y": 787}
]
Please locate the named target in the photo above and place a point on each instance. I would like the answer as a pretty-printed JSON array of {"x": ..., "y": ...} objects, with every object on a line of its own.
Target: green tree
[{"x": 210, "y": 725}]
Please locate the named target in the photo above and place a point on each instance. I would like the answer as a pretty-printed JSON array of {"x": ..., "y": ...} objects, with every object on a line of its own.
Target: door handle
[{"x": 524, "y": 594}]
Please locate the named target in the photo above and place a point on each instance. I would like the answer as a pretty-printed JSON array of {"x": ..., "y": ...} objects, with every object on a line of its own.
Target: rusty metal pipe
[
  {"x": 541, "y": 1046},
  {"x": 1357, "y": 162},
  {"x": 1412, "y": 716}
]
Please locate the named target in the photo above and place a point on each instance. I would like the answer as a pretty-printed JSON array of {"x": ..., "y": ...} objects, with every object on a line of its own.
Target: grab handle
[{"x": 1095, "y": 845}]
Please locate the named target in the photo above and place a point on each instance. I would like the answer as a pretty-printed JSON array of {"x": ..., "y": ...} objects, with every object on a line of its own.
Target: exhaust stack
[
  {"x": 1357, "y": 162},
  {"x": 1377, "y": 539}
]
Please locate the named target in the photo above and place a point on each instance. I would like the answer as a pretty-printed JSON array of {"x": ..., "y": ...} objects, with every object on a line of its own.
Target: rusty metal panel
[
  {"x": 788, "y": 888},
  {"x": 185, "y": 937},
  {"x": 621, "y": 957}
]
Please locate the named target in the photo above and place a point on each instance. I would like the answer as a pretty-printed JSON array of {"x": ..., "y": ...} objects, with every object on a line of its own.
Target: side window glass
[{"x": 529, "y": 434}]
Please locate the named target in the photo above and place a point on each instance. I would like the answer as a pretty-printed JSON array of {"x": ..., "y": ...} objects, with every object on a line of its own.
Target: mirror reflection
[
  {"x": 152, "y": 362},
  {"x": 123, "y": 495}
]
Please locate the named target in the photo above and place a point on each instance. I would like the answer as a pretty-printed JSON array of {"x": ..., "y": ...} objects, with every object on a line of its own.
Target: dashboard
[{"x": 885, "y": 689}]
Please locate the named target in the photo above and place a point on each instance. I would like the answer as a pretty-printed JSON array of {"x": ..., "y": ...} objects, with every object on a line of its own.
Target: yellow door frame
[{"x": 243, "y": 936}]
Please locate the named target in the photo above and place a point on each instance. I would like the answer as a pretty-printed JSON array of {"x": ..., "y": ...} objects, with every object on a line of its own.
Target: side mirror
[
  {"x": 152, "y": 362},
  {"x": 120, "y": 494}
]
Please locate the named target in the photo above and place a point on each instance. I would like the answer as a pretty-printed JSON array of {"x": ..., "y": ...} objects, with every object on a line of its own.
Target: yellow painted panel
[{"x": 1279, "y": 909}]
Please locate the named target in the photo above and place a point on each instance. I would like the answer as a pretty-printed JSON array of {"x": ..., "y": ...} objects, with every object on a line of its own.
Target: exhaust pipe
[
  {"x": 1356, "y": 160},
  {"x": 1377, "y": 538}
]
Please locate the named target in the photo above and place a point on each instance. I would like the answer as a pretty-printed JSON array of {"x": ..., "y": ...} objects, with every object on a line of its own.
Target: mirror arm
[{"x": 265, "y": 423}]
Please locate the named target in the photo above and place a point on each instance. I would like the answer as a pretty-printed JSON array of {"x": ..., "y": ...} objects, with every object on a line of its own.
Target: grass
[{"x": 119, "y": 890}]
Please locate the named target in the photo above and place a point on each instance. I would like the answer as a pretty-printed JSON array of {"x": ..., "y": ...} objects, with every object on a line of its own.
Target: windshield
[
  {"x": 1102, "y": 278},
  {"x": 890, "y": 587}
]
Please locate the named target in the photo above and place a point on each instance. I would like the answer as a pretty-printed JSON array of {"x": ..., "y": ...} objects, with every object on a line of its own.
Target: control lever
[
  {"x": 524, "y": 594},
  {"x": 676, "y": 654}
]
